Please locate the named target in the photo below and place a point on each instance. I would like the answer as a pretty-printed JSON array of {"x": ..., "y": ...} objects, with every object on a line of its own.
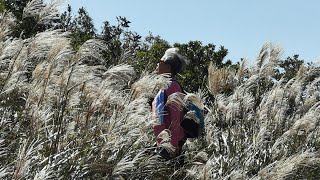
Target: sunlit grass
[{"x": 64, "y": 115}]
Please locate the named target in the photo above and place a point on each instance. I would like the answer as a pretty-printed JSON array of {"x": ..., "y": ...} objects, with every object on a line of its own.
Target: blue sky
[{"x": 240, "y": 26}]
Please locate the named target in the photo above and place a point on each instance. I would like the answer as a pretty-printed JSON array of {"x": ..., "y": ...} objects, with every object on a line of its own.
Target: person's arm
[
  {"x": 175, "y": 114},
  {"x": 159, "y": 113}
]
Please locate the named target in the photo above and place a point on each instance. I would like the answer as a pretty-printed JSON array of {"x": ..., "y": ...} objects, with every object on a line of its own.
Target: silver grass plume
[
  {"x": 242, "y": 70},
  {"x": 47, "y": 75},
  {"x": 221, "y": 103},
  {"x": 4, "y": 151},
  {"x": 50, "y": 11},
  {"x": 27, "y": 156},
  {"x": 10, "y": 51},
  {"x": 14, "y": 67},
  {"x": 6, "y": 21},
  {"x": 312, "y": 94},
  {"x": 43, "y": 43},
  {"x": 43, "y": 12},
  {"x": 237, "y": 175},
  {"x": 136, "y": 114},
  {"x": 124, "y": 165},
  {"x": 132, "y": 121},
  {"x": 302, "y": 130},
  {"x": 136, "y": 111},
  {"x": 271, "y": 118},
  {"x": 106, "y": 86},
  {"x": 272, "y": 103},
  {"x": 233, "y": 108},
  {"x": 275, "y": 54},
  {"x": 17, "y": 81},
  {"x": 298, "y": 166},
  {"x": 101, "y": 122},
  {"x": 118, "y": 76},
  {"x": 148, "y": 85},
  {"x": 165, "y": 135},
  {"x": 4, "y": 173},
  {"x": 91, "y": 76},
  {"x": 245, "y": 98},
  {"x": 90, "y": 52},
  {"x": 262, "y": 57},
  {"x": 33, "y": 8},
  {"x": 46, "y": 172},
  {"x": 267, "y": 60}
]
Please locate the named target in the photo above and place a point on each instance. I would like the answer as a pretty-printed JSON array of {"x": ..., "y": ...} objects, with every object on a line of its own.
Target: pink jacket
[{"x": 172, "y": 118}]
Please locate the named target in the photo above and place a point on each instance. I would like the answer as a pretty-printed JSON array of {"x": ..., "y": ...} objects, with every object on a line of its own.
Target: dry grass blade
[
  {"x": 45, "y": 173},
  {"x": 123, "y": 166},
  {"x": 4, "y": 173},
  {"x": 221, "y": 80},
  {"x": 25, "y": 158},
  {"x": 66, "y": 115}
]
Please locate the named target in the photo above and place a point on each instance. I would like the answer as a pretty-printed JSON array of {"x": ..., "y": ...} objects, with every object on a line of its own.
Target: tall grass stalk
[{"x": 64, "y": 115}]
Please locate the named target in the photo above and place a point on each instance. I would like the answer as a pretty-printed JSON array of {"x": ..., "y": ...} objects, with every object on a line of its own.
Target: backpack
[
  {"x": 193, "y": 118},
  {"x": 192, "y": 121}
]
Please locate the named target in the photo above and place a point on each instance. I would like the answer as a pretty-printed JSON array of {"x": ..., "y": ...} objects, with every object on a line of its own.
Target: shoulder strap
[
  {"x": 165, "y": 97},
  {"x": 179, "y": 85},
  {"x": 165, "y": 91}
]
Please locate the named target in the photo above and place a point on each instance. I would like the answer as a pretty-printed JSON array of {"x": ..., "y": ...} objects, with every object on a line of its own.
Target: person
[{"x": 169, "y": 134}]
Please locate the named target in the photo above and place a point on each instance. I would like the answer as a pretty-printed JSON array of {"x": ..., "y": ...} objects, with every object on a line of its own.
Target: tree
[
  {"x": 124, "y": 46},
  {"x": 199, "y": 56},
  {"x": 289, "y": 67},
  {"x": 22, "y": 25},
  {"x": 66, "y": 19},
  {"x": 150, "y": 53},
  {"x": 82, "y": 27},
  {"x": 119, "y": 41},
  {"x": 15, "y": 7},
  {"x": 2, "y": 8}
]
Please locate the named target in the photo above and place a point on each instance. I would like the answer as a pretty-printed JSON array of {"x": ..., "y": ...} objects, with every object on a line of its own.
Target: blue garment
[
  {"x": 198, "y": 113},
  {"x": 160, "y": 100}
]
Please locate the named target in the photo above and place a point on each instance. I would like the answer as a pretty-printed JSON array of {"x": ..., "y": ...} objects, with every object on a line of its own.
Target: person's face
[{"x": 163, "y": 68}]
